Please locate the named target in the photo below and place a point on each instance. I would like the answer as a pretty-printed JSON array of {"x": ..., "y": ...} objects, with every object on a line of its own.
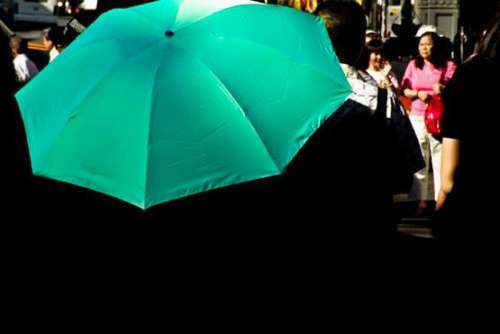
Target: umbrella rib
[
  {"x": 214, "y": 13},
  {"x": 335, "y": 79},
  {"x": 153, "y": 98},
  {"x": 230, "y": 96},
  {"x": 101, "y": 19},
  {"x": 254, "y": 42},
  {"x": 132, "y": 10},
  {"x": 114, "y": 68}
]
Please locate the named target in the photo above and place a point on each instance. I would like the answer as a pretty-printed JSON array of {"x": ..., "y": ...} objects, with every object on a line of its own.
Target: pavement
[
  {"x": 417, "y": 227},
  {"x": 411, "y": 224}
]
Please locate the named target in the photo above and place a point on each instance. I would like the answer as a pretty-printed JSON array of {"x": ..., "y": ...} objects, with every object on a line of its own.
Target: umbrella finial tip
[{"x": 169, "y": 33}]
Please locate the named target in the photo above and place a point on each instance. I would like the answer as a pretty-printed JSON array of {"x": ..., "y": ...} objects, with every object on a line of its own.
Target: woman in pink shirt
[{"x": 425, "y": 76}]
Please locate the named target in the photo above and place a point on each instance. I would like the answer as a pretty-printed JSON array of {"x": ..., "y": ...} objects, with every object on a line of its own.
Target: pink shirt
[{"x": 423, "y": 80}]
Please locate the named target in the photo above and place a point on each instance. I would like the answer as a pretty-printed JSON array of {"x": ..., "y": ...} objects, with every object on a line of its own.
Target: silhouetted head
[{"x": 346, "y": 25}]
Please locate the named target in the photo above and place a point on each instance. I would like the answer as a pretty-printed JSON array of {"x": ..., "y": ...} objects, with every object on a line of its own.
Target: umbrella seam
[
  {"x": 331, "y": 50},
  {"x": 114, "y": 11},
  {"x": 337, "y": 80},
  {"x": 156, "y": 24},
  {"x": 112, "y": 70},
  {"x": 257, "y": 43},
  {"x": 148, "y": 144},
  {"x": 71, "y": 114},
  {"x": 241, "y": 109},
  {"x": 215, "y": 13}
]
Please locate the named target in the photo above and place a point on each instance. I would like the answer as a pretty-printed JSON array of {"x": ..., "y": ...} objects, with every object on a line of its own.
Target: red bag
[
  {"x": 405, "y": 102},
  {"x": 434, "y": 112},
  {"x": 433, "y": 115}
]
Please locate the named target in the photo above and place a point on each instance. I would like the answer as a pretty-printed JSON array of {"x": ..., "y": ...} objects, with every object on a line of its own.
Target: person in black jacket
[{"x": 344, "y": 176}]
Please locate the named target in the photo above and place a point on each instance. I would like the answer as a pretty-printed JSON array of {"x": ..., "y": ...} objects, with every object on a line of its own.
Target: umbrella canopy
[{"x": 164, "y": 100}]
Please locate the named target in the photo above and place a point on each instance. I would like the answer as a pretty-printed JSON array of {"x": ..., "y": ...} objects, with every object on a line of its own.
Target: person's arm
[
  {"x": 416, "y": 94},
  {"x": 386, "y": 82},
  {"x": 449, "y": 163},
  {"x": 449, "y": 72},
  {"x": 410, "y": 93},
  {"x": 406, "y": 84}
]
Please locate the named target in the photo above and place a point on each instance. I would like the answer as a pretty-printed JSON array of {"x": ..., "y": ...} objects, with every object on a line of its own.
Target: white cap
[{"x": 425, "y": 28}]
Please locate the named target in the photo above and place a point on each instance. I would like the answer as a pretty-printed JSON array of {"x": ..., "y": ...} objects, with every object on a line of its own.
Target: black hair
[
  {"x": 392, "y": 49},
  {"x": 53, "y": 34},
  {"x": 374, "y": 45},
  {"x": 346, "y": 25},
  {"x": 19, "y": 45},
  {"x": 438, "y": 55},
  {"x": 364, "y": 59}
]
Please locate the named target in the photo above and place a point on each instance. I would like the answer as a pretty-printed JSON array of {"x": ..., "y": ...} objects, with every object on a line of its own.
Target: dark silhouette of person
[
  {"x": 8, "y": 86},
  {"x": 467, "y": 201},
  {"x": 15, "y": 162},
  {"x": 344, "y": 177}
]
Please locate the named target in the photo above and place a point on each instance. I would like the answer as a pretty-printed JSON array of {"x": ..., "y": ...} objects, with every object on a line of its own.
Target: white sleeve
[
  {"x": 21, "y": 69},
  {"x": 364, "y": 93}
]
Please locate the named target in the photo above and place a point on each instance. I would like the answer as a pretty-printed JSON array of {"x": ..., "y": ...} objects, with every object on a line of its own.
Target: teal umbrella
[{"x": 172, "y": 98}]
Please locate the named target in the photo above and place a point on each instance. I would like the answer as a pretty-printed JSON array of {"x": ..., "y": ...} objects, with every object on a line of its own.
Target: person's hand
[
  {"x": 386, "y": 68},
  {"x": 423, "y": 96},
  {"x": 385, "y": 84},
  {"x": 441, "y": 199},
  {"x": 438, "y": 88}
]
